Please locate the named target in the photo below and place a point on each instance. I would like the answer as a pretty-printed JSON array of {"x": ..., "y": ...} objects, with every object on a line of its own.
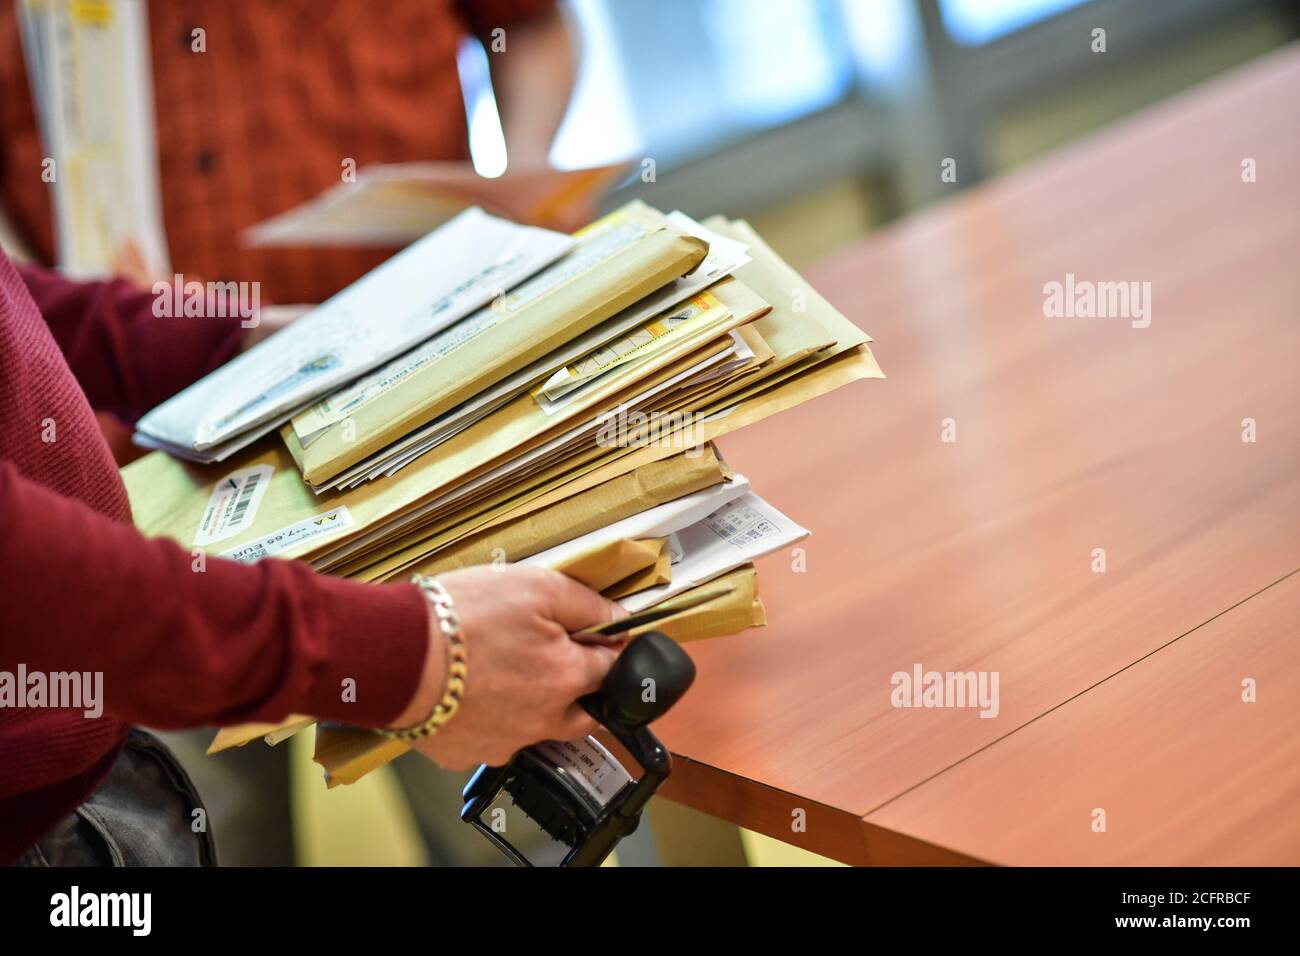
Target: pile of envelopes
[{"x": 500, "y": 393}]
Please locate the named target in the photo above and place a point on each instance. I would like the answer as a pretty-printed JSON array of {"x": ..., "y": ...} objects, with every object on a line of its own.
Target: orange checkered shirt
[{"x": 263, "y": 120}]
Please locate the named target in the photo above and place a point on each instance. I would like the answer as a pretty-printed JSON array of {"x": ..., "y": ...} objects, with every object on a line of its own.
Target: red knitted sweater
[{"x": 82, "y": 591}]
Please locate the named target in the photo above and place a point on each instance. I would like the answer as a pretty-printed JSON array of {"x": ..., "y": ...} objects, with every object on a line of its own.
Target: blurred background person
[{"x": 265, "y": 114}]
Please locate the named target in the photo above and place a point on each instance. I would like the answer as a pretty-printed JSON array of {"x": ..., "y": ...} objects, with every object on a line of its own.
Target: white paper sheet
[
  {"x": 656, "y": 522},
  {"x": 739, "y": 532}
]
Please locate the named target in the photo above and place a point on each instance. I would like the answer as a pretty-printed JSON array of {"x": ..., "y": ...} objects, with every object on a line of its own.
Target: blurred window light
[
  {"x": 487, "y": 142},
  {"x": 775, "y": 60},
  {"x": 975, "y": 22},
  {"x": 678, "y": 78},
  {"x": 598, "y": 126},
  {"x": 885, "y": 37}
]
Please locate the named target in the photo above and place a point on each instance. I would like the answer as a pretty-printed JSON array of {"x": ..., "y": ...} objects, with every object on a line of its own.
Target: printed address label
[
  {"x": 278, "y": 542},
  {"x": 740, "y": 525}
]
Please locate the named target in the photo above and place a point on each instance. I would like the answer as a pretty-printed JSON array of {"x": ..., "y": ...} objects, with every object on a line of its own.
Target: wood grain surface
[{"x": 1072, "y": 434}]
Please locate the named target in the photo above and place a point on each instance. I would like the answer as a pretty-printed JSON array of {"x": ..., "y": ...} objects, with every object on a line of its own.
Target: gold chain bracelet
[{"x": 457, "y": 670}]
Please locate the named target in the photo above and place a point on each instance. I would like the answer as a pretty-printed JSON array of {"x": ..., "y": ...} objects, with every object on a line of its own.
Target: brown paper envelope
[
  {"x": 645, "y": 488},
  {"x": 349, "y": 753},
  {"x": 586, "y": 471},
  {"x": 661, "y": 572},
  {"x": 451, "y": 522},
  {"x": 611, "y": 562},
  {"x": 241, "y": 734},
  {"x": 559, "y": 481},
  {"x": 730, "y": 614},
  {"x": 661, "y": 255},
  {"x": 801, "y": 319}
]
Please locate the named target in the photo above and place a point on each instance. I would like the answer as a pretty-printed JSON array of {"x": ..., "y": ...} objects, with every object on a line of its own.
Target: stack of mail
[{"x": 499, "y": 394}]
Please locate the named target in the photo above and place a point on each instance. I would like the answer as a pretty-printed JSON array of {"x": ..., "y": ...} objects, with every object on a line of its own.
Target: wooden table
[{"x": 1120, "y": 690}]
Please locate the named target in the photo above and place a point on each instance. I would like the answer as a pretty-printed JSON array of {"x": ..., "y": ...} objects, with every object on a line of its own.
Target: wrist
[
  {"x": 433, "y": 677},
  {"x": 444, "y": 623}
]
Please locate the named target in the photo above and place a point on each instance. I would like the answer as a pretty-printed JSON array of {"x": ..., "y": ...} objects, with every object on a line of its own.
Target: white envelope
[
  {"x": 655, "y": 522},
  {"x": 420, "y": 291}
]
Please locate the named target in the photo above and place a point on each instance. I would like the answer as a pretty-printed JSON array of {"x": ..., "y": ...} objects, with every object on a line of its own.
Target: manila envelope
[
  {"x": 272, "y": 734},
  {"x": 563, "y": 521},
  {"x": 288, "y": 520},
  {"x": 654, "y": 254},
  {"x": 513, "y": 524},
  {"x": 661, "y": 572}
]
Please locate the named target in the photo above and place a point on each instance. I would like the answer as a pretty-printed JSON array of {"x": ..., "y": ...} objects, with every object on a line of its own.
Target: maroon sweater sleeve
[
  {"x": 180, "y": 647},
  {"x": 126, "y": 359}
]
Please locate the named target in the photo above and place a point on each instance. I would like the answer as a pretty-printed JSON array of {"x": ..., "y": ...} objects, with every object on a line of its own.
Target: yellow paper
[
  {"x": 730, "y": 614},
  {"x": 604, "y": 566},
  {"x": 661, "y": 572},
  {"x": 349, "y": 753},
  {"x": 241, "y": 734},
  {"x": 634, "y": 346}
]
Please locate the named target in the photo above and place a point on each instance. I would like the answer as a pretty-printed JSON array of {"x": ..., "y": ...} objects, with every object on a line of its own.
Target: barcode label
[
  {"x": 245, "y": 498},
  {"x": 233, "y": 505}
]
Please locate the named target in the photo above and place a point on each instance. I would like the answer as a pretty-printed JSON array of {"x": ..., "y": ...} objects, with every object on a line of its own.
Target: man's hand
[{"x": 525, "y": 673}]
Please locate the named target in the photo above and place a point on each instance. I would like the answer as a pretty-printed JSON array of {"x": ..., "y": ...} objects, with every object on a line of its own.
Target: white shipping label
[
  {"x": 233, "y": 504},
  {"x": 278, "y": 542},
  {"x": 740, "y": 524},
  {"x": 593, "y": 767}
]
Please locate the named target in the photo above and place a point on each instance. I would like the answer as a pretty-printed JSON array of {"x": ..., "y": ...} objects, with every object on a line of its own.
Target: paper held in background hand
[
  {"x": 419, "y": 292},
  {"x": 394, "y": 204}
]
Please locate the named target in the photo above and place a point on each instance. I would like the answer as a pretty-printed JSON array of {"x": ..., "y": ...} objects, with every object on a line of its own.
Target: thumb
[
  {"x": 593, "y": 663},
  {"x": 576, "y": 606}
]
